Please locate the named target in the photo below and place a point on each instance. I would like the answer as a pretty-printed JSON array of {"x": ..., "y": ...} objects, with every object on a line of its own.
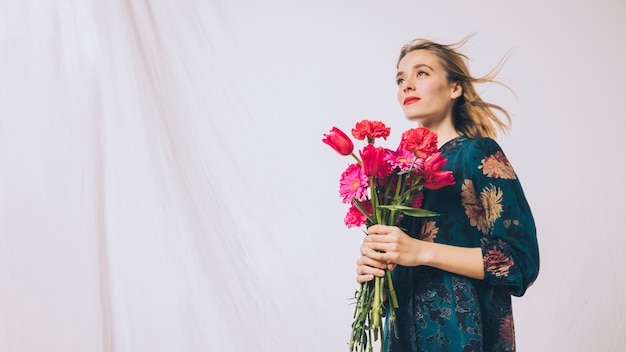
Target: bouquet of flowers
[{"x": 380, "y": 186}]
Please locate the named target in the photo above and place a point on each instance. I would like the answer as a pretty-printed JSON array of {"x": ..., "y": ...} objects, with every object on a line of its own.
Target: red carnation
[
  {"x": 371, "y": 130},
  {"x": 421, "y": 141},
  {"x": 356, "y": 218}
]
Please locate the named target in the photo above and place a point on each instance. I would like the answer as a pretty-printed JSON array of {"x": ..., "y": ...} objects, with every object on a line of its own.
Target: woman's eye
[
  {"x": 399, "y": 81},
  {"x": 421, "y": 74}
]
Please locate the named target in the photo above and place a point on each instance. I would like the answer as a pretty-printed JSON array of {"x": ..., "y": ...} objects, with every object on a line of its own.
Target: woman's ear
[{"x": 457, "y": 90}]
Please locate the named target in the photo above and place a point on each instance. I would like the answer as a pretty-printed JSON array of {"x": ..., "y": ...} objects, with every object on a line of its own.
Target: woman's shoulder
[
  {"x": 469, "y": 152},
  {"x": 480, "y": 146},
  {"x": 485, "y": 156}
]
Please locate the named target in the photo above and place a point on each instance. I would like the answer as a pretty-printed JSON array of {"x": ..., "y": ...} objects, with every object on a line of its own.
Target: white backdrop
[{"x": 164, "y": 187}]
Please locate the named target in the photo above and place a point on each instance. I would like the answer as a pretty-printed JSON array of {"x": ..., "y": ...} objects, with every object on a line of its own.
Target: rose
[
  {"x": 339, "y": 141},
  {"x": 421, "y": 141}
]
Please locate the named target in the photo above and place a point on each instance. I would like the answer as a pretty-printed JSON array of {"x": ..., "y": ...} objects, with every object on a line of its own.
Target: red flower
[
  {"x": 374, "y": 161},
  {"x": 417, "y": 202},
  {"x": 421, "y": 141},
  {"x": 434, "y": 178},
  {"x": 371, "y": 130},
  {"x": 355, "y": 218},
  {"x": 339, "y": 141}
]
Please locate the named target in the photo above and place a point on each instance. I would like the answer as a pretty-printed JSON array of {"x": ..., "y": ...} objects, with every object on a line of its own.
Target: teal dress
[{"x": 486, "y": 208}]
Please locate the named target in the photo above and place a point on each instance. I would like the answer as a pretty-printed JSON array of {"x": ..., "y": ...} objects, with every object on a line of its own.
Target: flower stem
[
  {"x": 392, "y": 290},
  {"x": 377, "y": 305}
]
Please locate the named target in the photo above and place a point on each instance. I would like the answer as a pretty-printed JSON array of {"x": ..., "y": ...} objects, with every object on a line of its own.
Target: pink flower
[
  {"x": 421, "y": 141},
  {"x": 355, "y": 218},
  {"x": 353, "y": 183},
  {"x": 434, "y": 178},
  {"x": 339, "y": 141},
  {"x": 371, "y": 130},
  {"x": 374, "y": 163},
  {"x": 403, "y": 159}
]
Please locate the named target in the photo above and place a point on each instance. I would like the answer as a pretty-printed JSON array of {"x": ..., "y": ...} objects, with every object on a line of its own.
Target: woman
[{"x": 454, "y": 274}]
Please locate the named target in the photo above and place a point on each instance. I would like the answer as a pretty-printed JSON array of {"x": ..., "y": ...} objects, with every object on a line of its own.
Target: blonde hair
[{"x": 471, "y": 116}]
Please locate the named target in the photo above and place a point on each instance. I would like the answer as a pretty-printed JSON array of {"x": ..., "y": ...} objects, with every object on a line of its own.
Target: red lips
[{"x": 410, "y": 100}]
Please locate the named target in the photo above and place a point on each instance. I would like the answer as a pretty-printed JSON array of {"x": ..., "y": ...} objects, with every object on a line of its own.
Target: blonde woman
[{"x": 454, "y": 274}]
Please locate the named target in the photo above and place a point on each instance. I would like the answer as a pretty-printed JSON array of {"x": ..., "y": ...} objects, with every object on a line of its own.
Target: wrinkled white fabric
[{"x": 163, "y": 185}]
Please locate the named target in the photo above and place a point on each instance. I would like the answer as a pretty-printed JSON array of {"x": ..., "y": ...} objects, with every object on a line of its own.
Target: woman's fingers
[
  {"x": 380, "y": 229},
  {"x": 364, "y": 278},
  {"x": 367, "y": 273},
  {"x": 370, "y": 263}
]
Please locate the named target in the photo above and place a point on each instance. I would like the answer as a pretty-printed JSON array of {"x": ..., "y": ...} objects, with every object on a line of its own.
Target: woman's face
[{"x": 424, "y": 92}]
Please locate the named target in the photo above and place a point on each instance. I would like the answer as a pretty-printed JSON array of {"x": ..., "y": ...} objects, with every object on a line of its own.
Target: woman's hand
[
  {"x": 367, "y": 268},
  {"x": 397, "y": 245},
  {"x": 392, "y": 245}
]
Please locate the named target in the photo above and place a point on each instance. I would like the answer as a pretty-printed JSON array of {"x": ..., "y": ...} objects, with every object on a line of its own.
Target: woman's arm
[{"x": 399, "y": 248}]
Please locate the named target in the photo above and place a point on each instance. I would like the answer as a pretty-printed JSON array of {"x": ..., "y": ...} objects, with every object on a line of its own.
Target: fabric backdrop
[{"x": 164, "y": 187}]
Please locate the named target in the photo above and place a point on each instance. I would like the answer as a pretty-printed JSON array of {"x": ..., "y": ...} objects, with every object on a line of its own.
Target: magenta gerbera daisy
[
  {"x": 353, "y": 184},
  {"x": 403, "y": 160}
]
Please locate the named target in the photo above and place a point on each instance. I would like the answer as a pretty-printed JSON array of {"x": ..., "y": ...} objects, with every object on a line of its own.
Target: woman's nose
[{"x": 407, "y": 86}]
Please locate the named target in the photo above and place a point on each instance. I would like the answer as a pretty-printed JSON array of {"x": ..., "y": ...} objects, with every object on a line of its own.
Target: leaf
[{"x": 416, "y": 212}]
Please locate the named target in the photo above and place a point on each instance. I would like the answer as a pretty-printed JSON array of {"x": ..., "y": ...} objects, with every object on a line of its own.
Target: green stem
[
  {"x": 374, "y": 199},
  {"x": 356, "y": 158},
  {"x": 376, "y": 306},
  {"x": 392, "y": 215},
  {"x": 392, "y": 290}
]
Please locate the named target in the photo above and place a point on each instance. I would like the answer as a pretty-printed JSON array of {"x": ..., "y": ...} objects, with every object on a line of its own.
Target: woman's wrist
[
  {"x": 458, "y": 260},
  {"x": 426, "y": 253}
]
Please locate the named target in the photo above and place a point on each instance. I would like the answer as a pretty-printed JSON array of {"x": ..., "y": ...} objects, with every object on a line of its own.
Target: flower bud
[{"x": 339, "y": 141}]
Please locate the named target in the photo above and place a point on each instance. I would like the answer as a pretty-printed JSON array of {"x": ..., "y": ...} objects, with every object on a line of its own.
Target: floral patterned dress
[{"x": 486, "y": 208}]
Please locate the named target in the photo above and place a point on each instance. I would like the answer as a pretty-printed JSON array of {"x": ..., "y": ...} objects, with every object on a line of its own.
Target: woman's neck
[
  {"x": 445, "y": 137},
  {"x": 444, "y": 128},
  {"x": 445, "y": 133}
]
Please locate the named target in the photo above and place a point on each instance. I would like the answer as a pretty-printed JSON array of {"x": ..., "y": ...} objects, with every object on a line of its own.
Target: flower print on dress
[
  {"x": 508, "y": 222},
  {"x": 473, "y": 206},
  {"x": 507, "y": 333},
  {"x": 429, "y": 231},
  {"x": 496, "y": 262},
  {"x": 483, "y": 211},
  {"x": 491, "y": 198},
  {"x": 497, "y": 166}
]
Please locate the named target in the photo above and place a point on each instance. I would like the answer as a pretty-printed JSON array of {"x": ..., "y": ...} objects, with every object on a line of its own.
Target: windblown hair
[{"x": 472, "y": 116}]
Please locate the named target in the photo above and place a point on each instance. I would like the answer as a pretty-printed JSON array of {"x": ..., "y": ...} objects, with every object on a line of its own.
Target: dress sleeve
[{"x": 495, "y": 204}]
